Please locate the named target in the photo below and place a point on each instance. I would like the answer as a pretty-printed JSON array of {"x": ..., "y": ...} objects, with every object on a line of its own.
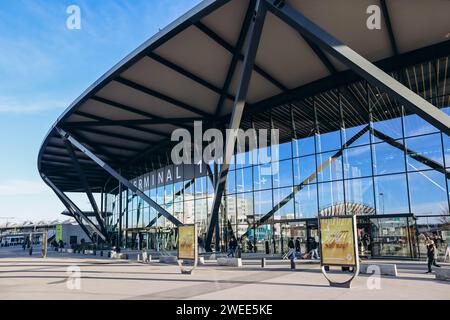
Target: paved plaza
[{"x": 25, "y": 277}]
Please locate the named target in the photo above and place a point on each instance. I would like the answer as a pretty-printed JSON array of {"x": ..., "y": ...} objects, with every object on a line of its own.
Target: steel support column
[
  {"x": 117, "y": 176},
  {"x": 254, "y": 37},
  {"x": 360, "y": 65},
  {"x": 86, "y": 186},
  {"x": 74, "y": 215},
  {"x": 72, "y": 207}
]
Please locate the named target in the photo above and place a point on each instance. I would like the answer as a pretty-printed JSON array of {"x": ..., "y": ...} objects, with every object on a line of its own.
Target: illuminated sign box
[
  {"x": 338, "y": 241},
  {"x": 187, "y": 242}
]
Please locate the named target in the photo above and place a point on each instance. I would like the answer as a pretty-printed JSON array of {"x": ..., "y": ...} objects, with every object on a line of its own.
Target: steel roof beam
[
  {"x": 120, "y": 106},
  {"x": 390, "y": 30},
  {"x": 188, "y": 74},
  {"x": 231, "y": 49},
  {"x": 116, "y": 136},
  {"x": 145, "y": 130},
  {"x": 98, "y": 148},
  {"x": 360, "y": 65},
  {"x": 161, "y": 96},
  {"x": 110, "y": 123},
  {"x": 236, "y": 55},
  {"x": 330, "y": 67},
  {"x": 347, "y": 77}
]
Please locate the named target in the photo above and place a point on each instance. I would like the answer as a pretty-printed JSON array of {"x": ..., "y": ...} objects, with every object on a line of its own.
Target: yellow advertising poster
[
  {"x": 59, "y": 232},
  {"x": 187, "y": 240},
  {"x": 337, "y": 241}
]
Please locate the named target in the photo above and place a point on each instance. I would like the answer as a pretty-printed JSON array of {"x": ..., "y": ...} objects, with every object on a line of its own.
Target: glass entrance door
[
  {"x": 302, "y": 232},
  {"x": 393, "y": 237}
]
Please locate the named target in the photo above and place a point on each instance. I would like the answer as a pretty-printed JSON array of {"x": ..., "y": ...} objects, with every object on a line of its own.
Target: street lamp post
[{"x": 382, "y": 201}]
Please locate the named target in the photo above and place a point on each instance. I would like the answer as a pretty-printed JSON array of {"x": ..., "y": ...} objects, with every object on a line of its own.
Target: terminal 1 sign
[{"x": 169, "y": 175}]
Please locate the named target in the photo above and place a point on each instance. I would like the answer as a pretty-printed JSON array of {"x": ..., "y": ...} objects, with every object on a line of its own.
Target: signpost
[
  {"x": 44, "y": 244},
  {"x": 59, "y": 233},
  {"x": 187, "y": 247},
  {"x": 339, "y": 247}
]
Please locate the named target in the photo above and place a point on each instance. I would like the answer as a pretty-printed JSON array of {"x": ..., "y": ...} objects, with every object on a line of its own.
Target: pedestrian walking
[
  {"x": 298, "y": 252},
  {"x": 314, "y": 253},
  {"x": 232, "y": 245},
  {"x": 431, "y": 253},
  {"x": 291, "y": 246}
]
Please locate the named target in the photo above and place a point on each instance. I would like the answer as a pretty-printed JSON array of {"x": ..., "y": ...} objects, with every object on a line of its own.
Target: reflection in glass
[
  {"x": 282, "y": 174},
  {"x": 168, "y": 193},
  {"x": 200, "y": 215},
  {"x": 387, "y": 159},
  {"x": 244, "y": 159},
  {"x": 304, "y": 146},
  {"x": 357, "y": 162},
  {"x": 432, "y": 202},
  {"x": 330, "y": 194},
  {"x": 429, "y": 147},
  {"x": 244, "y": 180},
  {"x": 189, "y": 212},
  {"x": 244, "y": 206},
  {"x": 286, "y": 211},
  {"x": 391, "y": 128},
  {"x": 178, "y": 190},
  {"x": 349, "y": 133},
  {"x": 415, "y": 126},
  {"x": 200, "y": 188},
  {"x": 446, "y": 140},
  {"x": 306, "y": 202},
  {"x": 263, "y": 203},
  {"x": 304, "y": 168},
  {"x": 284, "y": 151},
  {"x": 231, "y": 208},
  {"x": 329, "y": 141},
  {"x": 391, "y": 194},
  {"x": 360, "y": 191},
  {"x": 262, "y": 175},
  {"x": 231, "y": 182},
  {"x": 329, "y": 167}
]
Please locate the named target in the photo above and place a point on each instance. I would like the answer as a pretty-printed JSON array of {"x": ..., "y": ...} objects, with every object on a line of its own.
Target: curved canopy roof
[{"x": 186, "y": 72}]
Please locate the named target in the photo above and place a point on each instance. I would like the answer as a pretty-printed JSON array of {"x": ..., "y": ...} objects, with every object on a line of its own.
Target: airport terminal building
[{"x": 362, "y": 114}]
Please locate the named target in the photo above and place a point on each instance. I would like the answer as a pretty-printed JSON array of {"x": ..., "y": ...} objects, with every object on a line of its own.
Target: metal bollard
[
  {"x": 292, "y": 264},
  {"x": 263, "y": 262}
]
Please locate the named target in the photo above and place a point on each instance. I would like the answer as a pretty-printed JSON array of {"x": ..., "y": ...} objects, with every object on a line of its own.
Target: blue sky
[{"x": 44, "y": 67}]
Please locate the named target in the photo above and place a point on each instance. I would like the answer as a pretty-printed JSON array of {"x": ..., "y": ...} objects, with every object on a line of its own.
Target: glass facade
[{"x": 389, "y": 168}]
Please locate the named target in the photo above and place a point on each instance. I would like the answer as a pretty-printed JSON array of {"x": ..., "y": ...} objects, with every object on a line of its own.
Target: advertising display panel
[
  {"x": 338, "y": 241},
  {"x": 187, "y": 242}
]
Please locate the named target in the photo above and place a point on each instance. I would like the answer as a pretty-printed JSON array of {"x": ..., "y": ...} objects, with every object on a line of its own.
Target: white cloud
[{"x": 10, "y": 188}]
